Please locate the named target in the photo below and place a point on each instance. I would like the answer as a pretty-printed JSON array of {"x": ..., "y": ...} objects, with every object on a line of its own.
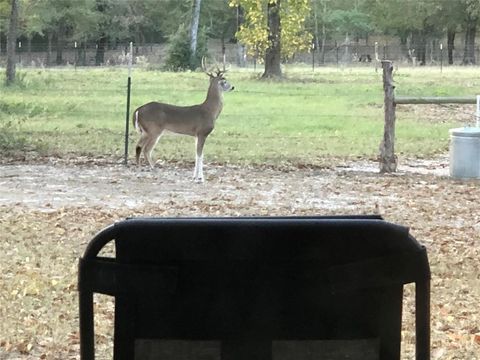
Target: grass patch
[
  {"x": 11, "y": 141},
  {"x": 308, "y": 116}
]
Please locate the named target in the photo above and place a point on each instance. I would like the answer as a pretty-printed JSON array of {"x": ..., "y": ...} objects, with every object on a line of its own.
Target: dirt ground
[{"x": 49, "y": 210}]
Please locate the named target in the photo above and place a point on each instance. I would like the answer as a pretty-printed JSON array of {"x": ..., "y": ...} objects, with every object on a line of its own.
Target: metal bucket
[{"x": 465, "y": 153}]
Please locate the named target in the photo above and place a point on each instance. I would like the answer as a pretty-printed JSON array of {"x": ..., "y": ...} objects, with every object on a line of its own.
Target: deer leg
[
  {"x": 138, "y": 149},
  {"x": 198, "y": 172},
  {"x": 148, "y": 149}
]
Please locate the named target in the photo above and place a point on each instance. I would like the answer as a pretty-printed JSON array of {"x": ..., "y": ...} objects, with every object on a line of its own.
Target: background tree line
[{"x": 273, "y": 30}]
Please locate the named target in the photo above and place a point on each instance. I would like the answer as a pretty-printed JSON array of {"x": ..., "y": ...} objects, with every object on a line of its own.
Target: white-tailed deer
[{"x": 152, "y": 119}]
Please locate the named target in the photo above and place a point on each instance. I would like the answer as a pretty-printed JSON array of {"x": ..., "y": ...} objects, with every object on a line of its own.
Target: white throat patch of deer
[{"x": 153, "y": 118}]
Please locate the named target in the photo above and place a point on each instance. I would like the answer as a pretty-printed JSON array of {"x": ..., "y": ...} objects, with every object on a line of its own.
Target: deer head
[{"x": 217, "y": 77}]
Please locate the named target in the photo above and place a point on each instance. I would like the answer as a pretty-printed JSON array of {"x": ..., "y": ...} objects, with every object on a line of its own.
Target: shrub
[{"x": 179, "y": 55}]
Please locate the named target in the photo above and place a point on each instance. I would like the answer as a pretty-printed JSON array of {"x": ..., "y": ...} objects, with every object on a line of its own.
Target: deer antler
[
  {"x": 214, "y": 71},
  {"x": 204, "y": 68},
  {"x": 225, "y": 67}
]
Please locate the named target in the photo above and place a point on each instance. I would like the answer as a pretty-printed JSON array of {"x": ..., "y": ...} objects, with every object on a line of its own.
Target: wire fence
[{"x": 154, "y": 55}]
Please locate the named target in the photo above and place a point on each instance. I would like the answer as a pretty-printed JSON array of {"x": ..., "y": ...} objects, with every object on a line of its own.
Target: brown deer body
[{"x": 153, "y": 118}]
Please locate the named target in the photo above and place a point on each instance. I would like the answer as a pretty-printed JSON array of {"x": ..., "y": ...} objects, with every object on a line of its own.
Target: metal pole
[
  {"x": 129, "y": 85},
  {"x": 478, "y": 111}
]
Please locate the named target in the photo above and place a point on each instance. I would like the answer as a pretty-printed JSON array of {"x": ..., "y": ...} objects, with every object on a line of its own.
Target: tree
[
  {"x": 179, "y": 53},
  {"x": 31, "y": 22},
  {"x": 194, "y": 25},
  {"x": 319, "y": 17},
  {"x": 166, "y": 19},
  {"x": 331, "y": 18},
  {"x": 11, "y": 43},
  {"x": 220, "y": 21},
  {"x": 407, "y": 19},
  {"x": 139, "y": 21},
  {"x": 351, "y": 23},
  {"x": 62, "y": 20},
  {"x": 274, "y": 29},
  {"x": 472, "y": 16},
  {"x": 101, "y": 7},
  {"x": 448, "y": 19}
]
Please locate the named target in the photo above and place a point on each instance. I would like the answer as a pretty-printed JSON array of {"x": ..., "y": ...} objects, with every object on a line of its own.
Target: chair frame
[{"x": 112, "y": 277}]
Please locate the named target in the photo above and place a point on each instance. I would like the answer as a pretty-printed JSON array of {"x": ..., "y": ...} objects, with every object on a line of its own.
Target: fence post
[
  {"x": 388, "y": 160},
  {"x": 129, "y": 86}
]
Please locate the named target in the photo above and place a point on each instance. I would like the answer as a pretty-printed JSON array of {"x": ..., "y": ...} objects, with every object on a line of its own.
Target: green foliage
[
  {"x": 219, "y": 19},
  {"x": 179, "y": 55},
  {"x": 350, "y": 21},
  {"x": 295, "y": 38},
  {"x": 12, "y": 139},
  {"x": 153, "y": 21},
  {"x": 4, "y": 14},
  {"x": 254, "y": 31}
]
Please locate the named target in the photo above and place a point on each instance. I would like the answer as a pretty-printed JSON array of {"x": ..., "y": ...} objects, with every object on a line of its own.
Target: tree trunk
[
  {"x": 273, "y": 53},
  {"x": 316, "y": 37},
  {"x": 60, "y": 43},
  {"x": 84, "y": 54},
  {"x": 404, "y": 45},
  {"x": 469, "y": 53},
  {"x": 240, "y": 47},
  {"x": 49, "y": 48},
  {"x": 324, "y": 33},
  {"x": 29, "y": 49},
  {"x": 346, "y": 57},
  {"x": 224, "y": 51},
  {"x": 100, "y": 53},
  {"x": 102, "y": 8},
  {"x": 450, "y": 45},
  {"x": 432, "y": 50},
  {"x": 194, "y": 31},
  {"x": 420, "y": 46},
  {"x": 11, "y": 43},
  {"x": 241, "y": 55}
]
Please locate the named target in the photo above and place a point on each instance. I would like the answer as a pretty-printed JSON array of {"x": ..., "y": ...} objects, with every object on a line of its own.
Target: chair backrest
[{"x": 256, "y": 288}]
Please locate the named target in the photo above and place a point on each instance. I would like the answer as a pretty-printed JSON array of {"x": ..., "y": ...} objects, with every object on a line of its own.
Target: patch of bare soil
[{"x": 50, "y": 210}]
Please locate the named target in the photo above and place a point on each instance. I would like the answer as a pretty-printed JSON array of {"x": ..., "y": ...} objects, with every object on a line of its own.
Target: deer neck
[{"x": 214, "y": 101}]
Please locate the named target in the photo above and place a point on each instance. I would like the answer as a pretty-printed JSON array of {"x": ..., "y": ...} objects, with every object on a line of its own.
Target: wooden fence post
[{"x": 388, "y": 160}]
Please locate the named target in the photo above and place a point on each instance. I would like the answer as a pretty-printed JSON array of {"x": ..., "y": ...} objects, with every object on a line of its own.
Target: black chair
[{"x": 256, "y": 288}]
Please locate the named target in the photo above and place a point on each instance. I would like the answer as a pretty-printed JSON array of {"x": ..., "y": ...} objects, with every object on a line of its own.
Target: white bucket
[{"x": 465, "y": 153}]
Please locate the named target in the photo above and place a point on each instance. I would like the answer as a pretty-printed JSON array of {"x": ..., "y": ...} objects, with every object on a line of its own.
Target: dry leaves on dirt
[{"x": 40, "y": 245}]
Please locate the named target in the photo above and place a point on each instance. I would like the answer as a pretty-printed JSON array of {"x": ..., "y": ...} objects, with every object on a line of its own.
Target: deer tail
[{"x": 135, "y": 121}]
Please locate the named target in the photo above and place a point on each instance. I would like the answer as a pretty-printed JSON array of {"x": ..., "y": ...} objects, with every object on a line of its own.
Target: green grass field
[{"x": 307, "y": 118}]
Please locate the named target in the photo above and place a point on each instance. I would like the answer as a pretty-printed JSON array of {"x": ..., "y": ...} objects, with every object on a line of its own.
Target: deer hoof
[{"x": 198, "y": 180}]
